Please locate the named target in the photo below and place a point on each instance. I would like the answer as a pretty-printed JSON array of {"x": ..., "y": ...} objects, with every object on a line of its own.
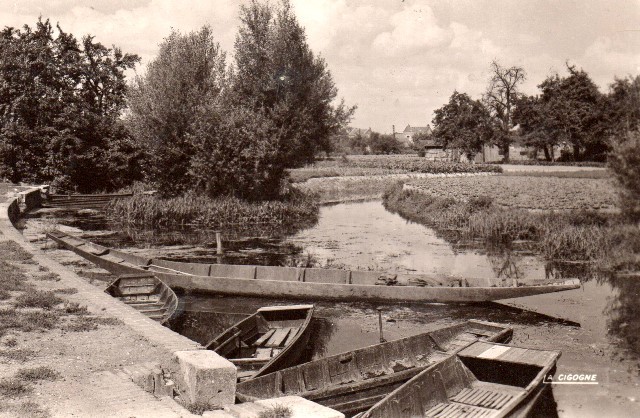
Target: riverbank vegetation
[
  {"x": 605, "y": 239},
  {"x": 196, "y": 210}
]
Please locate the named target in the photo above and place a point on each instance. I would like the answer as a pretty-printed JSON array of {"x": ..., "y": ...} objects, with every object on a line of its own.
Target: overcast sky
[{"x": 397, "y": 60}]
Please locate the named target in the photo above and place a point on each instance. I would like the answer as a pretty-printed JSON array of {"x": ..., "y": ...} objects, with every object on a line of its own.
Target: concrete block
[
  {"x": 205, "y": 377},
  {"x": 301, "y": 408}
]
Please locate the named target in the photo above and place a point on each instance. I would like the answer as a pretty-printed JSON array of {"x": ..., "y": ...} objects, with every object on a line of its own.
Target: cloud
[
  {"x": 414, "y": 28},
  {"x": 397, "y": 60}
]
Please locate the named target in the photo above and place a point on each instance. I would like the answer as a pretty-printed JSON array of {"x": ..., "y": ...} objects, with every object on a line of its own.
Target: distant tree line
[
  {"x": 374, "y": 143},
  {"x": 192, "y": 122},
  {"x": 570, "y": 112}
]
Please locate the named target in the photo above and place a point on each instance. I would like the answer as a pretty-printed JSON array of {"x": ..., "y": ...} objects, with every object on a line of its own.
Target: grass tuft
[
  {"x": 49, "y": 277},
  {"x": 21, "y": 355},
  {"x": 74, "y": 308},
  {"x": 276, "y": 411},
  {"x": 89, "y": 323},
  {"x": 31, "y": 410},
  {"x": 14, "y": 251},
  {"x": 35, "y": 374},
  {"x": 67, "y": 291},
  {"x": 13, "y": 388},
  {"x": 38, "y": 299}
]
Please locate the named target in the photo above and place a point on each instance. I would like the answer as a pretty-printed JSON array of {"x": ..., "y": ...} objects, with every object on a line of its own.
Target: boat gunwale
[{"x": 303, "y": 329}]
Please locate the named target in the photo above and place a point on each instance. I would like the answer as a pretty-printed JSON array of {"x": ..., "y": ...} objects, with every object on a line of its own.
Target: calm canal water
[{"x": 597, "y": 328}]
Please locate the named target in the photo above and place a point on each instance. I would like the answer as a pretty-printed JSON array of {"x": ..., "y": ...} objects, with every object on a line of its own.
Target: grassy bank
[
  {"x": 573, "y": 235},
  {"x": 193, "y": 210}
]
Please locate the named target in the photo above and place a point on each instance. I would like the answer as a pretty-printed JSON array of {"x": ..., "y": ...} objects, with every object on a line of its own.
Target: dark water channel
[{"x": 597, "y": 328}]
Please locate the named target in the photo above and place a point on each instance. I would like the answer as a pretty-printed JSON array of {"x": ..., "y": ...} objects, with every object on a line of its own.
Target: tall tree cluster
[
  {"x": 235, "y": 131},
  {"x": 60, "y": 102},
  {"x": 570, "y": 112}
]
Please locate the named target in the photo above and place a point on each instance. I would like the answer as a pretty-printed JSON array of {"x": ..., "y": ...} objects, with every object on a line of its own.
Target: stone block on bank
[{"x": 205, "y": 377}]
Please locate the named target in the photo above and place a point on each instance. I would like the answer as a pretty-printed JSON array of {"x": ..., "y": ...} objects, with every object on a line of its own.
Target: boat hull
[
  {"x": 354, "y": 381},
  {"x": 147, "y": 294},
  {"x": 304, "y": 283},
  {"x": 484, "y": 379},
  {"x": 255, "y": 333},
  {"x": 351, "y": 292}
]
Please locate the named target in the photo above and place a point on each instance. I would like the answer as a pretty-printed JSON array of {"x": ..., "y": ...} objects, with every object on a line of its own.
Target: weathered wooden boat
[
  {"x": 82, "y": 201},
  {"x": 147, "y": 294},
  {"x": 273, "y": 338},
  {"x": 354, "y": 381},
  {"x": 483, "y": 380},
  {"x": 309, "y": 283}
]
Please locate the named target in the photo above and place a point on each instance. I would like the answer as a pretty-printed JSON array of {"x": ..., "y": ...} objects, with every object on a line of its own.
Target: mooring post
[
  {"x": 219, "y": 249},
  {"x": 382, "y": 340}
]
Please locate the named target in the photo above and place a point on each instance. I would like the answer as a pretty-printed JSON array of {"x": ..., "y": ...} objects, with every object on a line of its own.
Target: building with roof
[{"x": 406, "y": 136}]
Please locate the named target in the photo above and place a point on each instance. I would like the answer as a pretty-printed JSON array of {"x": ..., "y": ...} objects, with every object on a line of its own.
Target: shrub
[{"x": 624, "y": 162}]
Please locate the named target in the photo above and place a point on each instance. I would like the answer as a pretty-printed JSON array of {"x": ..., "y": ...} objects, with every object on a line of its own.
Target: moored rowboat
[
  {"x": 354, "y": 381},
  {"x": 308, "y": 283},
  {"x": 273, "y": 338},
  {"x": 147, "y": 294},
  {"x": 483, "y": 380}
]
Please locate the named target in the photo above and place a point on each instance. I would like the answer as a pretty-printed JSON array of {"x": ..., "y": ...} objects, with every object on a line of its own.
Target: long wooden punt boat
[
  {"x": 483, "y": 380},
  {"x": 82, "y": 201},
  {"x": 147, "y": 294},
  {"x": 354, "y": 381},
  {"x": 308, "y": 283},
  {"x": 273, "y": 338}
]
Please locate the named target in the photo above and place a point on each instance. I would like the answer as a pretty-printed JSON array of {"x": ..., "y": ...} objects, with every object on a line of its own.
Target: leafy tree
[
  {"x": 236, "y": 153},
  {"x": 624, "y": 163},
  {"x": 462, "y": 123},
  {"x": 500, "y": 99},
  {"x": 277, "y": 73},
  {"x": 384, "y": 144},
  {"x": 60, "y": 101},
  {"x": 573, "y": 112},
  {"x": 623, "y": 105},
  {"x": 530, "y": 114},
  {"x": 187, "y": 74}
]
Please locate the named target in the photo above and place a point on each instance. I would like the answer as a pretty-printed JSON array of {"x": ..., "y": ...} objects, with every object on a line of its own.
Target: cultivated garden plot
[{"x": 540, "y": 193}]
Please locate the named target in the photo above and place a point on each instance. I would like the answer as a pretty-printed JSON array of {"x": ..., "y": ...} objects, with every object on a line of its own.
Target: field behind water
[{"x": 539, "y": 190}]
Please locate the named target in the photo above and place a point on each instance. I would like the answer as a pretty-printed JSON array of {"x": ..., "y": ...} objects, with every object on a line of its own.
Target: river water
[{"x": 597, "y": 328}]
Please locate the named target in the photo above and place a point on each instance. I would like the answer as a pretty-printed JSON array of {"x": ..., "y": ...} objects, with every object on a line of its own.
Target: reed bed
[
  {"x": 194, "y": 210},
  {"x": 603, "y": 239}
]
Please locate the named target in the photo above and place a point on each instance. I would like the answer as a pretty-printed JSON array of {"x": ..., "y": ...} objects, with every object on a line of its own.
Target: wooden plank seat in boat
[
  {"x": 482, "y": 400},
  {"x": 260, "y": 341},
  {"x": 278, "y": 337}
]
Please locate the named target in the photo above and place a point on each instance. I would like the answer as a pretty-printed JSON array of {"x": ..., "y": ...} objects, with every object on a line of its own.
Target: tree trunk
[
  {"x": 547, "y": 156},
  {"x": 505, "y": 153},
  {"x": 576, "y": 152}
]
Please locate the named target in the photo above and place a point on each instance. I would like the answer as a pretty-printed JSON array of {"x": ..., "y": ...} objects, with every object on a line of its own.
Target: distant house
[{"x": 406, "y": 136}]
